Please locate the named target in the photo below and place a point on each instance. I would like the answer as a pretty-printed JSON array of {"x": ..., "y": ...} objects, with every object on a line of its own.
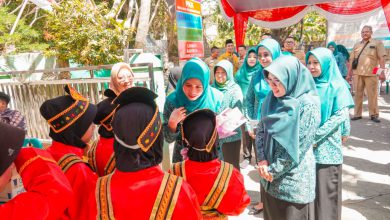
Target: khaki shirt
[
  {"x": 369, "y": 59},
  {"x": 211, "y": 62}
]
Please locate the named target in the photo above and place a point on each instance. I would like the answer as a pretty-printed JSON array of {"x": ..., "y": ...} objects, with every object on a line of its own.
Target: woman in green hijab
[
  {"x": 243, "y": 77},
  {"x": 290, "y": 117},
  {"x": 232, "y": 98},
  {"x": 267, "y": 51},
  {"x": 340, "y": 58},
  {"x": 336, "y": 100},
  {"x": 192, "y": 92}
]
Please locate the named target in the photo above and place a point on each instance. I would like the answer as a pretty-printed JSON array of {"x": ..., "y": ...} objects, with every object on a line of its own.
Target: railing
[{"x": 27, "y": 96}]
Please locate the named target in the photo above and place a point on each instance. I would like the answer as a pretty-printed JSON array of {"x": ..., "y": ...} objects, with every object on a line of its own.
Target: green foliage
[
  {"x": 24, "y": 39},
  {"x": 79, "y": 31},
  {"x": 314, "y": 28}
]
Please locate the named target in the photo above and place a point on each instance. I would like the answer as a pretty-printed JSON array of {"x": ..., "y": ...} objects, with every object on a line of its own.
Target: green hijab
[
  {"x": 331, "y": 86},
  {"x": 228, "y": 67},
  {"x": 245, "y": 73},
  {"x": 261, "y": 87},
  {"x": 343, "y": 51},
  {"x": 210, "y": 98},
  {"x": 281, "y": 116},
  {"x": 336, "y": 50}
]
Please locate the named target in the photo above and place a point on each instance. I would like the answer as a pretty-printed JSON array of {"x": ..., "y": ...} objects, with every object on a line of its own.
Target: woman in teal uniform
[
  {"x": 232, "y": 98},
  {"x": 243, "y": 77},
  {"x": 267, "y": 51},
  {"x": 192, "y": 92},
  {"x": 284, "y": 140},
  {"x": 336, "y": 100}
]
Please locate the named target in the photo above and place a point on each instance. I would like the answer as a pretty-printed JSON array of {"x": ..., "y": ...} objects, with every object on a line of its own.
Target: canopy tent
[{"x": 283, "y": 13}]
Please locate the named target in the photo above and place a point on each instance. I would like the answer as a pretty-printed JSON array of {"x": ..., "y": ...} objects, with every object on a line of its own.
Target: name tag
[{"x": 372, "y": 47}]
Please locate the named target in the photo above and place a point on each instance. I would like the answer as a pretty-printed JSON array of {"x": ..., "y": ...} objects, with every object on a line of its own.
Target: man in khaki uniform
[
  {"x": 363, "y": 77},
  {"x": 211, "y": 61}
]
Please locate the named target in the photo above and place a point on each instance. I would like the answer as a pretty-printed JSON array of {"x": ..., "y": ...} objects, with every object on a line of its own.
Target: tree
[
  {"x": 143, "y": 24},
  {"x": 23, "y": 39},
  {"x": 81, "y": 32}
]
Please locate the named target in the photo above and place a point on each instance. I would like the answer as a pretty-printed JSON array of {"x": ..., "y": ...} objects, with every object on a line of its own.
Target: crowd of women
[{"x": 301, "y": 117}]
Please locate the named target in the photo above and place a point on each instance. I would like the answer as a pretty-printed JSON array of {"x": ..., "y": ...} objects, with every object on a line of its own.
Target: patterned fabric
[
  {"x": 14, "y": 118},
  {"x": 346, "y": 128},
  {"x": 341, "y": 63},
  {"x": 293, "y": 182},
  {"x": 328, "y": 149},
  {"x": 232, "y": 97},
  {"x": 170, "y": 136}
]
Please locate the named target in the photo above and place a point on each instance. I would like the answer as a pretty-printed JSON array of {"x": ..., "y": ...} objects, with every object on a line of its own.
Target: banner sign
[
  {"x": 189, "y": 29},
  {"x": 348, "y": 34}
]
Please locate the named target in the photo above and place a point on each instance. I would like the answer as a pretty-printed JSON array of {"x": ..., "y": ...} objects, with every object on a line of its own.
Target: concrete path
[{"x": 366, "y": 169}]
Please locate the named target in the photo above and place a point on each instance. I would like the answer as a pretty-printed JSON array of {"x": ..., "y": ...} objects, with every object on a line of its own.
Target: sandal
[{"x": 254, "y": 211}]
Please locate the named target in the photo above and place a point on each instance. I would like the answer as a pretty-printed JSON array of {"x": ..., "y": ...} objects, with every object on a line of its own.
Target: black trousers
[
  {"x": 231, "y": 153},
  {"x": 247, "y": 146},
  {"x": 328, "y": 201},
  {"x": 276, "y": 209}
]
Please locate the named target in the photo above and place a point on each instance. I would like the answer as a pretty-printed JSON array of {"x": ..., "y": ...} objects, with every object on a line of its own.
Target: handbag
[{"x": 355, "y": 61}]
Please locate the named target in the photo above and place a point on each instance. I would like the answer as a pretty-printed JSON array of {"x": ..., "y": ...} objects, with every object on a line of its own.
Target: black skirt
[
  {"x": 328, "y": 201},
  {"x": 231, "y": 153},
  {"x": 276, "y": 209}
]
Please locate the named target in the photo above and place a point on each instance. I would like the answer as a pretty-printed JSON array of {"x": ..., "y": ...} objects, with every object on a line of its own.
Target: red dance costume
[
  {"x": 217, "y": 189},
  {"x": 79, "y": 173},
  {"x": 101, "y": 156},
  {"x": 144, "y": 194},
  {"x": 48, "y": 192}
]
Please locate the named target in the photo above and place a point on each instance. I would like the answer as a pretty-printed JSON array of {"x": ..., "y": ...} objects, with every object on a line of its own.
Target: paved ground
[{"x": 366, "y": 170}]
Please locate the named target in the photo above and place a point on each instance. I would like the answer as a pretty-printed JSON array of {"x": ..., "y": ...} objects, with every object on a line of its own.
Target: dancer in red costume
[
  {"x": 101, "y": 154},
  {"x": 48, "y": 192},
  {"x": 70, "y": 118},
  {"x": 218, "y": 185},
  {"x": 138, "y": 188}
]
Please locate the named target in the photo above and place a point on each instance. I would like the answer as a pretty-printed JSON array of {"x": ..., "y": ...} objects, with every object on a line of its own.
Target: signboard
[
  {"x": 348, "y": 34},
  {"x": 189, "y": 29}
]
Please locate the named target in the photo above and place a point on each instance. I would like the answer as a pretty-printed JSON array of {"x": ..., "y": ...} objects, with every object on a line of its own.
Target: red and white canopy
[{"x": 283, "y": 13}]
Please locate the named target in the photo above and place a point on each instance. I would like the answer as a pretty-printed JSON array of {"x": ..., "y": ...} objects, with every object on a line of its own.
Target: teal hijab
[
  {"x": 281, "y": 116},
  {"x": 210, "y": 98},
  {"x": 245, "y": 73},
  {"x": 336, "y": 50},
  {"x": 261, "y": 87},
  {"x": 228, "y": 67},
  {"x": 331, "y": 86},
  {"x": 343, "y": 51}
]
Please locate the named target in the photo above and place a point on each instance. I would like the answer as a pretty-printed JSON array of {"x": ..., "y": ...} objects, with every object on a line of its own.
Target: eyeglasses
[
  {"x": 289, "y": 42},
  {"x": 275, "y": 82}
]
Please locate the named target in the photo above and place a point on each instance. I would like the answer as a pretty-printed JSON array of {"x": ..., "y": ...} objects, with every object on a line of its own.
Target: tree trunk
[
  {"x": 143, "y": 24},
  {"x": 114, "y": 8}
]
